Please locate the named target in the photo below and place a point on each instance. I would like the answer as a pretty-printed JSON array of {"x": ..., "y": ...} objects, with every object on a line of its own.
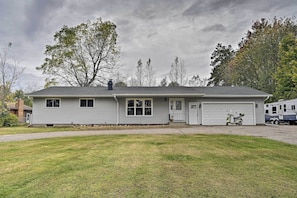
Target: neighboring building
[
  {"x": 146, "y": 105},
  {"x": 22, "y": 111},
  {"x": 281, "y": 111}
]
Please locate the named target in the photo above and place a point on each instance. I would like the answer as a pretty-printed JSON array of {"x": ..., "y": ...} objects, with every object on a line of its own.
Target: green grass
[{"x": 149, "y": 166}]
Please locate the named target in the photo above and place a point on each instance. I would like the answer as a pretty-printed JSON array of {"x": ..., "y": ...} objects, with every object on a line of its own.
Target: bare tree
[
  {"x": 150, "y": 74},
  {"x": 177, "y": 73},
  {"x": 139, "y": 73},
  {"x": 9, "y": 72},
  {"x": 198, "y": 82},
  {"x": 120, "y": 80},
  {"x": 163, "y": 82}
]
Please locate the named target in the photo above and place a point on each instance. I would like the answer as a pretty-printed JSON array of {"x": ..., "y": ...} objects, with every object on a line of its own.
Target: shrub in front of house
[{"x": 8, "y": 119}]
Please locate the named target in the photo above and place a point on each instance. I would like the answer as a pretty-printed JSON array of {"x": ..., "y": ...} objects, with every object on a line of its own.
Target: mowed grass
[{"x": 149, "y": 166}]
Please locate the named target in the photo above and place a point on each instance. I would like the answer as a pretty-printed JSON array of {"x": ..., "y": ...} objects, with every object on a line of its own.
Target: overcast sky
[{"x": 156, "y": 29}]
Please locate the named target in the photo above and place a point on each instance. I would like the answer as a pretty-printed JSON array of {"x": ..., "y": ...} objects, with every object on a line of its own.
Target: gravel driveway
[{"x": 284, "y": 133}]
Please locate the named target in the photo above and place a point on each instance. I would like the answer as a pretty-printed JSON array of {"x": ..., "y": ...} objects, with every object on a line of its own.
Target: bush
[{"x": 8, "y": 120}]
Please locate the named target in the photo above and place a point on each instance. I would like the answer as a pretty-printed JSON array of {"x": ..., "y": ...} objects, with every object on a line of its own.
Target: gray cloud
[
  {"x": 215, "y": 27},
  {"x": 39, "y": 13},
  {"x": 156, "y": 29}
]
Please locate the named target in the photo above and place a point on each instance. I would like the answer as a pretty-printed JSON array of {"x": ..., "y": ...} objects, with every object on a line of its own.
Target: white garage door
[{"x": 216, "y": 113}]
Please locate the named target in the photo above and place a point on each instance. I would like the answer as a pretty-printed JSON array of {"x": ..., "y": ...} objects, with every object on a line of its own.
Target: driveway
[{"x": 281, "y": 133}]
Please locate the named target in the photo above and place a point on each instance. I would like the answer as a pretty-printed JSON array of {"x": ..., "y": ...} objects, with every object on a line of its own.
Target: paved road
[{"x": 282, "y": 133}]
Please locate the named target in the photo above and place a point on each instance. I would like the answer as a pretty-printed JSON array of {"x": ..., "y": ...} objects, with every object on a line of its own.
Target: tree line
[
  {"x": 266, "y": 59},
  {"x": 145, "y": 75}
]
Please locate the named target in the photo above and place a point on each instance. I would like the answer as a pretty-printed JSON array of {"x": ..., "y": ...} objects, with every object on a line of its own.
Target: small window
[
  {"x": 285, "y": 107},
  {"x": 130, "y": 110},
  {"x": 86, "y": 102},
  {"x": 148, "y": 107},
  {"x": 139, "y": 107},
  {"x": 267, "y": 111},
  {"x": 178, "y": 105},
  {"x": 293, "y": 107},
  {"x": 273, "y": 110},
  {"x": 52, "y": 102}
]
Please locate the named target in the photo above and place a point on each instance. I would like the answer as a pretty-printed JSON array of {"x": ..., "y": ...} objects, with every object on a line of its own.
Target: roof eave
[
  {"x": 70, "y": 96},
  {"x": 238, "y": 96},
  {"x": 158, "y": 95}
]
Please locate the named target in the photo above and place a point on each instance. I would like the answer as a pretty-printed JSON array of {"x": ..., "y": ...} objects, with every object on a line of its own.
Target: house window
[
  {"x": 86, "y": 102},
  {"x": 273, "y": 110},
  {"x": 139, "y": 107},
  {"x": 52, "y": 102},
  {"x": 178, "y": 105}
]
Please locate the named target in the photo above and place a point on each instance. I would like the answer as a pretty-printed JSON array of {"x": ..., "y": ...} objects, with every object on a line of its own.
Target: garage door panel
[{"x": 216, "y": 113}]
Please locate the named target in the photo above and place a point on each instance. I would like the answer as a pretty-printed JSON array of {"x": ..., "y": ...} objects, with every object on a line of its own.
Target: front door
[
  {"x": 280, "y": 112},
  {"x": 177, "y": 109},
  {"x": 193, "y": 113}
]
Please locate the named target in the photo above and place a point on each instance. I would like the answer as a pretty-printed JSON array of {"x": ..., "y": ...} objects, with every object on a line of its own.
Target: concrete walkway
[{"x": 283, "y": 133}]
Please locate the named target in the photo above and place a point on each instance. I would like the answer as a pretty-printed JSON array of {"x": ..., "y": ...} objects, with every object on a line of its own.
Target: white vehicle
[{"x": 281, "y": 111}]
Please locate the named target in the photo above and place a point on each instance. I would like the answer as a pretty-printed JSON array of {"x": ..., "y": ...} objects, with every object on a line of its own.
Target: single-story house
[{"x": 146, "y": 105}]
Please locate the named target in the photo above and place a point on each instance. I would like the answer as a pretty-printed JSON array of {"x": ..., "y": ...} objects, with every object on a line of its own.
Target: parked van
[{"x": 282, "y": 111}]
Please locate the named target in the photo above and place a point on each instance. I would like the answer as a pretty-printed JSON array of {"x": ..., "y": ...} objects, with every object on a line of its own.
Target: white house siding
[
  {"x": 70, "y": 112},
  {"x": 105, "y": 111},
  {"x": 160, "y": 112}
]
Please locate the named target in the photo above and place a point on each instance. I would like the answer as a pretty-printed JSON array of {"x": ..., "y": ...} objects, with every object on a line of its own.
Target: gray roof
[{"x": 220, "y": 91}]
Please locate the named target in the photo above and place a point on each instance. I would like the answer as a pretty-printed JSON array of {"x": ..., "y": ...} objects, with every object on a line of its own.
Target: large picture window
[
  {"x": 139, "y": 107},
  {"x": 52, "y": 102},
  {"x": 86, "y": 102}
]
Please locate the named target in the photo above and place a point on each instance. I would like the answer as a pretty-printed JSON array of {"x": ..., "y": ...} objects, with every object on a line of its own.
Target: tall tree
[
  {"x": 177, "y": 73},
  {"x": 150, "y": 74},
  {"x": 9, "y": 72},
  {"x": 286, "y": 75},
  {"x": 220, "y": 59},
  {"x": 83, "y": 55},
  {"x": 257, "y": 59},
  {"x": 139, "y": 73},
  {"x": 20, "y": 94}
]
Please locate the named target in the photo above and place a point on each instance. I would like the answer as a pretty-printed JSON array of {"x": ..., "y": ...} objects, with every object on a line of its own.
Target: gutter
[
  {"x": 162, "y": 95},
  {"x": 238, "y": 96},
  {"x": 115, "y": 98}
]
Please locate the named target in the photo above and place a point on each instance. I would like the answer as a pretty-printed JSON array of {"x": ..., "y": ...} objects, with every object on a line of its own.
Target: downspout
[
  {"x": 266, "y": 98},
  {"x": 115, "y": 98}
]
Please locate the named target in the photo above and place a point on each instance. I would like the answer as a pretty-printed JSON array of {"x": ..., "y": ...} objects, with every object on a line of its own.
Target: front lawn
[{"x": 149, "y": 166}]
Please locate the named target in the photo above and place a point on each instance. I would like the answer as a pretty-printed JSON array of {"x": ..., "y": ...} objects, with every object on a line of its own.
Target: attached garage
[{"x": 215, "y": 113}]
